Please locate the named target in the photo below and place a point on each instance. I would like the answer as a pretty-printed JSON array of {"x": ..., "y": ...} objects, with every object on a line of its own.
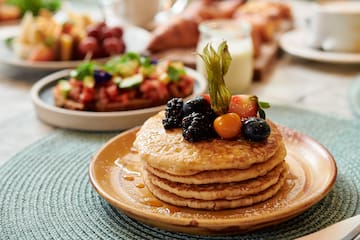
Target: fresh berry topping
[
  {"x": 197, "y": 104},
  {"x": 256, "y": 129},
  {"x": 228, "y": 125},
  {"x": 101, "y": 76},
  {"x": 173, "y": 113},
  {"x": 244, "y": 105},
  {"x": 197, "y": 127}
]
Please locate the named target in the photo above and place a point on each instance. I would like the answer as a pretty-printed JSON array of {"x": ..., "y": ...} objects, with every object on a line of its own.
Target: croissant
[{"x": 182, "y": 31}]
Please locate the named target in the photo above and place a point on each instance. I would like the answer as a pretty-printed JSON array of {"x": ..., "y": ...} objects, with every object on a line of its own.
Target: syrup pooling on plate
[
  {"x": 131, "y": 164},
  {"x": 298, "y": 193}
]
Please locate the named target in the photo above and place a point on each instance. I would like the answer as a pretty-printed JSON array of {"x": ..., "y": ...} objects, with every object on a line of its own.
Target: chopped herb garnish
[
  {"x": 83, "y": 70},
  {"x": 175, "y": 73}
]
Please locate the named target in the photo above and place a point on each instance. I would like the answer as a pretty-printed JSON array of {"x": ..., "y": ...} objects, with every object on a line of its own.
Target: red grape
[
  {"x": 113, "y": 46},
  {"x": 88, "y": 45},
  {"x": 93, "y": 31}
]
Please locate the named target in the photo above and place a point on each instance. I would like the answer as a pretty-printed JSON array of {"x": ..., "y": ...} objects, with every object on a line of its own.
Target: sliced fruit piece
[
  {"x": 89, "y": 81},
  {"x": 228, "y": 125},
  {"x": 66, "y": 47},
  {"x": 244, "y": 105},
  {"x": 42, "y": 53},
  {"x": 131, "y": 82}
]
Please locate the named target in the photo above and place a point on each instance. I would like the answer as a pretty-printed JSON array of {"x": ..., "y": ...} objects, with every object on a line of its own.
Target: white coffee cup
[
  {"x": 141, "y": 12},
  {"x": 335, "y": 26}
]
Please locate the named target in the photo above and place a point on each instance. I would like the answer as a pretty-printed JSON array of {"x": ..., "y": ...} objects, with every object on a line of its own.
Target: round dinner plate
[
  {"x": 42, "y": 97},
  {"x": 135, "y": 39},
  {"x": 294, "y": 42},
  {"x": 116, "y": 174}
]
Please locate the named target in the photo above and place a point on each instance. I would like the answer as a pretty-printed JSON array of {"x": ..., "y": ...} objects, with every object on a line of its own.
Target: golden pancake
[
  {"x": 224, "y": 176},
  {"x": 215, "y": 204},
  {"x": 214, "y": 191},
  {"x": 168, "y": 151}
]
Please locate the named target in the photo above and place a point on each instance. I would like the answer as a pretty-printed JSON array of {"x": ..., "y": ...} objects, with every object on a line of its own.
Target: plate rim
[
  {"x": 286, "y": 43},
  {"x": 42, "y": 84},
  {"x": 280, "y": 215}
]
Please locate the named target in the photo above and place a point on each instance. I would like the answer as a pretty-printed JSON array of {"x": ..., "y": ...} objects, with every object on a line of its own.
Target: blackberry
[
  {"x": 197, "y": 127},
  {"x": 256, "y": 129},
  {"x": 173, "y": 113},
  {"x": 197, "y": 104}
]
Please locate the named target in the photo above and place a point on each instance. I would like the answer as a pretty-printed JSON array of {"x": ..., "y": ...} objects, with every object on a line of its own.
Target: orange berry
[{"x": 228, "y": 125}]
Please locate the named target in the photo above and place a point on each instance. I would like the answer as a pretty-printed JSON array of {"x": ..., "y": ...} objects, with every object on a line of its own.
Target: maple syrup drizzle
[
  {"x": 128, "y": 177},
  {"x": 140, "y": 185}
]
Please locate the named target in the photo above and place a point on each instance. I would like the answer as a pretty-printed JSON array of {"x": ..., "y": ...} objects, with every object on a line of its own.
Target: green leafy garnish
[
  {"x": 9, "y": 42},
  {"x": 262, "y": 106},
  {"x": 83, "y": 70},
  {"x": 175, "y": 73},
  {"x": 125, "y": 65},
  {"x": 145, "y": 61},
  {"x": 34, "y": 6},
  {"x": 217, "y": 64}
]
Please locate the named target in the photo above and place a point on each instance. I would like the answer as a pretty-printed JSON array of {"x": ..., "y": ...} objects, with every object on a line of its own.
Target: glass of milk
[{"x": 238, "y": 36}]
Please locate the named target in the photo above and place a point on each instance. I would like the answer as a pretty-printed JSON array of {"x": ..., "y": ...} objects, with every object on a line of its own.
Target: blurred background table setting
[{"x": 302, "y": 57}]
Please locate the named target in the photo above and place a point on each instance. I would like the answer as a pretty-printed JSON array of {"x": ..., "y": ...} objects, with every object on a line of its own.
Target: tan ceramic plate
[{"x": 115, "y": 173}]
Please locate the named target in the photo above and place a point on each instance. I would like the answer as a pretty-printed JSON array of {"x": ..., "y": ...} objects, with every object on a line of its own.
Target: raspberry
[
  {"x": 173, "y": 113},
  {"x": 197, "y": 127}
]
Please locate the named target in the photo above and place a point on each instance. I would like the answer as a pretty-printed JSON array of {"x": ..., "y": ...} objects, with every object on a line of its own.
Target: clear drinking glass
[{"x": 238, "y": 36}]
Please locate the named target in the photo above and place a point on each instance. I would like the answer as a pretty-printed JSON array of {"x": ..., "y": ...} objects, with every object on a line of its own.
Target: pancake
[
  {"x": 168, "y": 151},
  {"x": 215, "y": 204},
  {"x": 228, "y": 191},
  {"x": 224, "y": 176}
]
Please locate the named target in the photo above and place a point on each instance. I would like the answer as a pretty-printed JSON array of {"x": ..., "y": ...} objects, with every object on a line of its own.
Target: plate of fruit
[
  {"x": 118, "y": 94},
  {"x": 45, "y": 42}
]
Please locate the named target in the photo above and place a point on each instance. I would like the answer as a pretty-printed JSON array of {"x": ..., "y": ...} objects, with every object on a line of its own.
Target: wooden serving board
[{"x": 262, "y": 66}]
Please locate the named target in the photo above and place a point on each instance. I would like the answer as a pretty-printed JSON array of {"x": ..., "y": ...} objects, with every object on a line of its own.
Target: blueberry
[
  {"x": 101, "y": 76},
  {"x": 256, "y": 129},
  {"x": 197, "y": 104}
]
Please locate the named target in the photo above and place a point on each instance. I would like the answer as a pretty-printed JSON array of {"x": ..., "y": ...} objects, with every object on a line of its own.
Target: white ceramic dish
[
  {"x": 295, "y": 43},
  {"x": 135, "y": 39},
  {"x": 41, "y": 94}
]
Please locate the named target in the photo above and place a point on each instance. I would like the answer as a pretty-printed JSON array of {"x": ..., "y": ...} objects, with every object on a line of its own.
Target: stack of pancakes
[{"x": 214, "y": 174}]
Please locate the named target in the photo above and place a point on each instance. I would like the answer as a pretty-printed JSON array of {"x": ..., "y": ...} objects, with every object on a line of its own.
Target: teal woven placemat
[
  {"x": 354, "y": 97},
  {"x": 45, "y": 192}
]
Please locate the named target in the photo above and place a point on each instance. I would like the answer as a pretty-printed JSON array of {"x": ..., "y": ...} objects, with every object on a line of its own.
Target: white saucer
[
  {"x": 41, "y": 94},
  {"x": 294, "y": 42}
]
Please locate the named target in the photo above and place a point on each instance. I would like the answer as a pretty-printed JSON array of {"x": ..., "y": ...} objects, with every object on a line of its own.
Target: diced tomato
[
  {"x": 87, "y": 95},
  {"x": 75, "y": 93},
  {"x": 67, "y": 27},
  {"x": 154, "y": 90},
  {"x": 76, "y": 83},
  {"x": 102, "y": 96},
  {"x": 126, "y": 96},
  {"x": 186, "y": 84},
  {"x": 112, "y": 91}
]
